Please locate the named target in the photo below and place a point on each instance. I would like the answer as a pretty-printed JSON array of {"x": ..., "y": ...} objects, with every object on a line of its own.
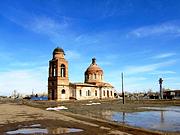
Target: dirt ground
[{"x": 16, "y": 114}]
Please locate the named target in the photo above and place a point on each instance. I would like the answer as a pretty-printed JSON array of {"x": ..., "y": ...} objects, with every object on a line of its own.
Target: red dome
[{"x": 94, "y": 68}]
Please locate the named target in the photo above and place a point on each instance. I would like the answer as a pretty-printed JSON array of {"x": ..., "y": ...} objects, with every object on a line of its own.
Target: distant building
[
  {"x": 171, "y": 94},
  {"x": 59, "y": 87}
]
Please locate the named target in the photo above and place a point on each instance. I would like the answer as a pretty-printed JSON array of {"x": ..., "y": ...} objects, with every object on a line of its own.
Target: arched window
[
  {"x": 86, "y": 77},
  {"x": 63, "y": 70},
  {"x": 80, "y": 92},
  {"x": 95, "y": 92},
  {"x": 63, "y": 91},
  {"x": 104, "y": 93},
  {"x": 108, "y": 93},
  {"x": 89, "y": 93},
  {"x": 54, "y": 70}
]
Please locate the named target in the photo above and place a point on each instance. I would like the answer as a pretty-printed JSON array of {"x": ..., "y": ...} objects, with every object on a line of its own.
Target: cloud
[
  {"x": 166, "y": 28},
  {"x": 163, "y": 72},
  {"x": 72, "y": 55},
  {"x": 147, "y": 68},
  {"x": 41, "y": 24},
  {"x": 24, "y": 81},
  {"x": 105, "y": 63},
  {"x": 164, "y": 55},
  {"x": 27, "y": 64},
  {"x": 87, "y": 39},
  {"x": 44, "y": 25}
]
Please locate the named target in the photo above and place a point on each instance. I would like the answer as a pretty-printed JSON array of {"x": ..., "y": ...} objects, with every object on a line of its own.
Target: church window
[
  {"x": 87, "y": 77},
  {"x": 80, "y": 92},
  {"x": 63, "y": 91},
  {"x": 95, "y": 92},
  {"x": 104, "y": 93},
  {"x": 63, "y": 71},
  {"x": 111, "y": 93},
  {"x": 108, "y": 93},
  {"x": 89, "y": 93},
  {"x": 54, "y": 70},
  {"x": 94, "y": 76}
]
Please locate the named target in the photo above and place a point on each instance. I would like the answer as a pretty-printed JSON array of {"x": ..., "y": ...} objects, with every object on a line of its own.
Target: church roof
[
  {"x": 99, "y": 84},
  {"x": 93, "y": 67},
  {"x": 83, "y": 84},
  {"x": 103, "y": 84},
  {"x": 58, "y": 50}
]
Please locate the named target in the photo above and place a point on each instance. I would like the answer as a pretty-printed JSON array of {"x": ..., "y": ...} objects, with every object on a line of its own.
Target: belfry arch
[{"x": 63, "y": 70}]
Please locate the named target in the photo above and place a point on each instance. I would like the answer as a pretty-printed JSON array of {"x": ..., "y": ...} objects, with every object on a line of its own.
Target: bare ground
[{"x": 19, "y": 113}]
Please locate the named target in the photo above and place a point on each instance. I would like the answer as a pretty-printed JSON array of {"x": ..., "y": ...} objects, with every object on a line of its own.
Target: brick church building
[{"x": 59, "y": 87}]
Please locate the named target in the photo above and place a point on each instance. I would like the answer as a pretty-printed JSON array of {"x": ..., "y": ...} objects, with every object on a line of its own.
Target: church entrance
[{"x": 63, "y": 94}]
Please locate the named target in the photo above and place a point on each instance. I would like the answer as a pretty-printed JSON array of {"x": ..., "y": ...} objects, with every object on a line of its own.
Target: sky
[{"x": 140, "y": 38}]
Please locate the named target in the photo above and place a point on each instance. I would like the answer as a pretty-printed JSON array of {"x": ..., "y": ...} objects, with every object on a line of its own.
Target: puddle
[
  {"x": 35, "y": 129},
  {"x": 28, "y": 131},
  {"x": 158, "y": 118}
]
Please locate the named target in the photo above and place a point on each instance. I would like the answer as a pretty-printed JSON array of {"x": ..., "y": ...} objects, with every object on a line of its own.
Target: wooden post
[
  {"x": 123, "y": 95},
  {"x": 161, "y": 91}
]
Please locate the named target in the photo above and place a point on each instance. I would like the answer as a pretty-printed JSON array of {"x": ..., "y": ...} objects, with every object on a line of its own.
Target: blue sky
[{"x": 140, "y": 38}]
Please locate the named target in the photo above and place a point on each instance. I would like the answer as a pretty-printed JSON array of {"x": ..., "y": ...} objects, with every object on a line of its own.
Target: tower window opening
[
  {"x": 63, "y": 70},
  {"x": 54, "y": 70},
  {"x": 63, "y": 91}
]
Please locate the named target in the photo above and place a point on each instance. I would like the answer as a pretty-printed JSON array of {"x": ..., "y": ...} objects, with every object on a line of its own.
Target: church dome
[
  {"x": 58, "y": 53},
  {"x": 58, "y": 50},
  {"x": 94, "y": 68},
  {"x": 93, "y": 73}
]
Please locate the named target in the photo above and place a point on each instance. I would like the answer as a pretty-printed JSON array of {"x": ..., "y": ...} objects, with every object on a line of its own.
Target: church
[{"x": 59, "y": 87}]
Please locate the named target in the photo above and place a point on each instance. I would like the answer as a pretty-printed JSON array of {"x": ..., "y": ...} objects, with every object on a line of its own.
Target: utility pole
[
  {"x": 123, "y": 96},
  {"x": 161, "y": 91}
]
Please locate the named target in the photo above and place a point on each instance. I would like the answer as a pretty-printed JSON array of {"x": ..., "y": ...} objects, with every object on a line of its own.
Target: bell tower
[{"x": 58, "y": 81}]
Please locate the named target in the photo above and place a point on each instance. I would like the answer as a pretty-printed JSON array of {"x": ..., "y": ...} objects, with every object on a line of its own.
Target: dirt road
[{"x": 21, "y": 115}]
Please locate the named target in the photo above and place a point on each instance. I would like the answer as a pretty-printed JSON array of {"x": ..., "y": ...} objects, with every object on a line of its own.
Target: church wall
[
  {"x": 63, "y": 93},
  {"x": 86, "y": 93},
  {"x": 107, "y": 92}
]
